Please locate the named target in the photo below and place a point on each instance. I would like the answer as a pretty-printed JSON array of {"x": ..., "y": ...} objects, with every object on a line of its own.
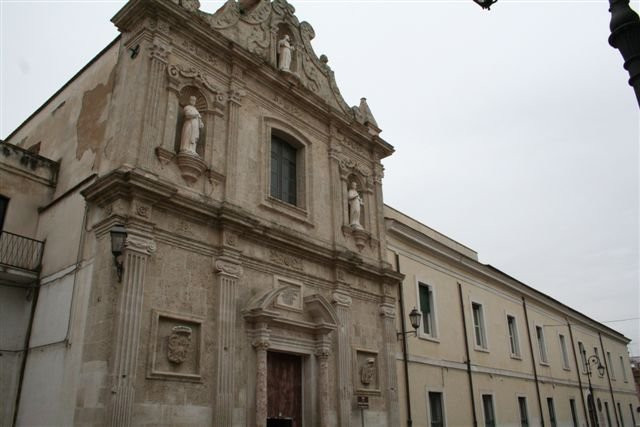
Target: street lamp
[
  {"x": 485, "y": 4},
  {"x": 414, "y": 317},
  {"x": 625, "y": 36},
  {"x": 118, "y": 237},
  {"x": 592, "y": 360}
]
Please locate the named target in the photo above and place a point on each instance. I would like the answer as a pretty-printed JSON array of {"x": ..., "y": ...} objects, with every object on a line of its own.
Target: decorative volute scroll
[{"x": 259, "y": 25}]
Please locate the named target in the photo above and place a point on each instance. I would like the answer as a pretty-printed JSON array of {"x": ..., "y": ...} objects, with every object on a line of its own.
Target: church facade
[{"x": 194, "y": 233}]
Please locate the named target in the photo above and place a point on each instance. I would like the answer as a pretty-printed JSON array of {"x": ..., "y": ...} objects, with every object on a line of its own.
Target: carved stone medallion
[{"x": 179, "y": 344}]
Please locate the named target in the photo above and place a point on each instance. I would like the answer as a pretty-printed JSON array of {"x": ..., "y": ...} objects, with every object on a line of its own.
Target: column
[
  {"x": 342, "y": 304},
  {"x": 322, "y": 355},
  {"x": 261, "y": 344},
  {"x": 228, "y": 271},
  {"x": 388, "y": 313},
  {"x": 128, "y": 314},
  {"x": 160, "y": 49},
  {"x": 235, "y": 94}
]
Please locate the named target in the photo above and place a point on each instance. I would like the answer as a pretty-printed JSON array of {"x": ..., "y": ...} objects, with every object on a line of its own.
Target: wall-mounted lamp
[
  {"x": 118, "y": 237},
  {"x": 414, "y": 317}
]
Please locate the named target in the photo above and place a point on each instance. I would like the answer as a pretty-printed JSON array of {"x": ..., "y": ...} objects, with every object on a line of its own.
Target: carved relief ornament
[
  {"x": 178, "y": 72},
  {"x": 290, "y": 261},
  {"x": 179, "y": 344},
  {"x": 387, "y": 310}
]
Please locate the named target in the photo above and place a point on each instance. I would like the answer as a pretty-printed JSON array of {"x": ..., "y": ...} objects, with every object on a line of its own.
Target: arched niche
[
  {"x": 285, "y": 29},
  {"x": 360, "y": 187},
  {"x": 201, "y": 105}
]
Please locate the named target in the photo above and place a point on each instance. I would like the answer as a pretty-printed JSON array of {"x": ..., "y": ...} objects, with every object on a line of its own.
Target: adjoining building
[{"x": 194, "y": 233}]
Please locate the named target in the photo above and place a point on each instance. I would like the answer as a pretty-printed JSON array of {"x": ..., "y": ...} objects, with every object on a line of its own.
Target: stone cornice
[
  {"x": 490, "y": 273},
  {"x": 128, "y": 184}
]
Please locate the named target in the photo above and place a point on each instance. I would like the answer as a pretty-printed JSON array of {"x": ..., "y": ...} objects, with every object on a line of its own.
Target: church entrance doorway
[{"x": 284, "y": 390}]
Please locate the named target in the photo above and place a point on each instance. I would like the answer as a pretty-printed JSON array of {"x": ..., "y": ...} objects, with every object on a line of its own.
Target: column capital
[
  {"x": 342, "y": 299},
  {"x": 388, "y": 311},
  {"x": 228, "y": 266},
  {"x": 140, "y": 244}
]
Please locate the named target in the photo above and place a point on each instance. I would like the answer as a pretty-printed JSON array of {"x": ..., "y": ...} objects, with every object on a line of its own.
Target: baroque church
[{"x": 194, "y": 234}]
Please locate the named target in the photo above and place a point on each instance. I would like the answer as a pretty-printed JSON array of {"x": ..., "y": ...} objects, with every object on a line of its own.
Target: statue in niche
[
  {"x": 191, "y": 128},
  {"x": 179, "y": 343},
  {"x": 285, "y": 49},
  {"x": 368, "y": 372},
  {"x": 355, "y": 202}
]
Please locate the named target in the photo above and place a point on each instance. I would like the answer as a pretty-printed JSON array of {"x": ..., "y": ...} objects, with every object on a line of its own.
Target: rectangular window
[
  {"x": 595, "y": 351},
  {"x": 624, "y": 370},
  {"x": 514, "y": 342},
  {"x": 565, "y": 355},
  {"x": 606, "y": 410},
  {"x": 436, "y": 409},
  {"x": 524, "y": 415},
  {"x": 612, "y": 372},
  {"x": 633, "y": 417},
  {"x": 427, "y": 308},
  {"x": 478, "y": 325},
  {"x": 489, "y": 413},
  {"x": 620, "y": 415},
  {"x": 4, "y": 202},
  {"x": 574, "y": 412},
  {"x": 552, "y": 412},
  {"x": 583, "y": 357},
  {"x": 283, "y": 171},
  {"x": 542, "y": 347}
]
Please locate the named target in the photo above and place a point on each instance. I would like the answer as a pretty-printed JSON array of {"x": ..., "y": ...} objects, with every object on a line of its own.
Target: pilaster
[
  {"x": 151, "y": 132},
  {"x": 235, "y": 94},
  {"x": 128, "y": 314},
  {"x": 228, "y": 272},
  {"x": 261, "y": 344},
  {"x": 388, "y": 314},
  {"x": 322, "y": 355},
  {"x": 342, "y": 302}
]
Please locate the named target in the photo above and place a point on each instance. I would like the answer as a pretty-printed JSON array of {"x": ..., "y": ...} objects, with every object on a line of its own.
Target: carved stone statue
[
  {"x": 355, "y": 201},
  {"x": 368, "y": 372},
  {"x": 179, "y": 343},
  {"x": 285, "y": 49},
  {"x": 191, "y": 127}
]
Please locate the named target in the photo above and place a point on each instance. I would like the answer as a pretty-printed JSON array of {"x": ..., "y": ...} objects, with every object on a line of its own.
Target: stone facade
[{"x": 240, "y": 299}]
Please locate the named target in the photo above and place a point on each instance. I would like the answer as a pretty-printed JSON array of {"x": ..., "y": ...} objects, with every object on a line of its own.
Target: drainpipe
[
  {"x": 404, "y": 346},
  {"x": 533, "y": 360},
  {"x": 23, "y": 365},
  {"x": 606, "y": 365},
  {"x": 575, "y": 357},
  {"x": 466, "y": 348}
]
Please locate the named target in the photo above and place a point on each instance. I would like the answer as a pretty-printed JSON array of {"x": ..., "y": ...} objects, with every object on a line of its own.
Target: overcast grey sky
[{"x": 515, "y": 129}]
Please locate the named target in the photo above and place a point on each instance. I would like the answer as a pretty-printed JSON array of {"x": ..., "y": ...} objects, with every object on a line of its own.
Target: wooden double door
[{"x": 284, "y": 390}]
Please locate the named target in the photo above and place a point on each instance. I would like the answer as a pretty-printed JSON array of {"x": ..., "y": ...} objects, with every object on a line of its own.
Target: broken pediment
[{"x": 260, "y": 26}]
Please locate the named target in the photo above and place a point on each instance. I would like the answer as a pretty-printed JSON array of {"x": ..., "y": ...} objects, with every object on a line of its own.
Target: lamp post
[{"x": 593, "y": 359}]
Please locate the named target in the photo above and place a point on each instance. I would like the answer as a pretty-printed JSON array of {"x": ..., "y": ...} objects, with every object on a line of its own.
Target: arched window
[{"x": 284, "y": 174}]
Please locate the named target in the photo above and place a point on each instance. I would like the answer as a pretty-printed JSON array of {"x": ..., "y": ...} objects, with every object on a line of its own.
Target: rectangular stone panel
[{"x": 176, "y": 345}]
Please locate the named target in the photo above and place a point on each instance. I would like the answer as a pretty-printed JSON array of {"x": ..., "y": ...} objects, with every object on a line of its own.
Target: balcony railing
[{"x": 20, "y": 252}]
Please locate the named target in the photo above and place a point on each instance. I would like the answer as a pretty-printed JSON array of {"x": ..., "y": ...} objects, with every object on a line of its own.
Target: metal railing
[{"x": 20, "y": 252}]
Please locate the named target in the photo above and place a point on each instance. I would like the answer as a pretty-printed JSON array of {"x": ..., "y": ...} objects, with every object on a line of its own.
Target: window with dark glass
[
  {"x": 542, "y": 347},
  {"x": 574, "y": 412},
  {"x": 478, "y": 325},
  {"x": 436, "y": 409},
  {"x": 426, "y": 307},
  {"x": 4, "y": 202},
  {"x": 524, "y": 415},
  {"x": 633, "y": 417},
  {"x": 283, "y": 170},
  {"x": 620, "y": 415},
  {"x": 489, "y": 414},
  {"x": 565, "y": 355},
  {"x": 514, "y": 343},
  {"x": 606, "y": 409},
  {"x": 552, "y": 412}
]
